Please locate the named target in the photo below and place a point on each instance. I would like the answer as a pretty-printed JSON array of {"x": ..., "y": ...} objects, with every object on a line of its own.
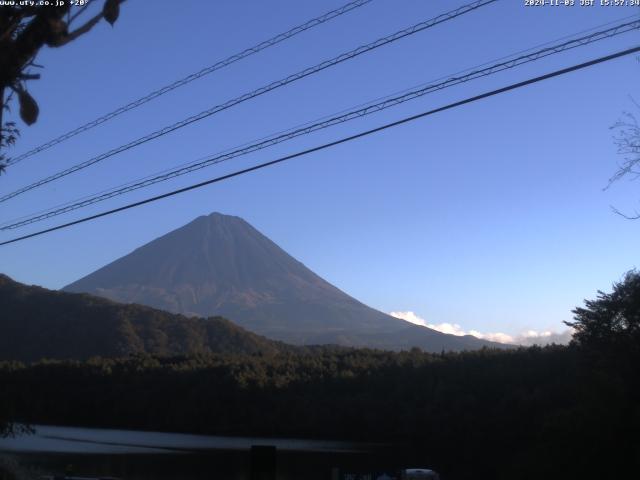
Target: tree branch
[
  {"x": 82, "y": 30},
  {"x": 79, "y": 32},
  {"x": 628, "y": 217},
  {"x": 79, "y": 12},
  {"x": 29, "y": 76}
]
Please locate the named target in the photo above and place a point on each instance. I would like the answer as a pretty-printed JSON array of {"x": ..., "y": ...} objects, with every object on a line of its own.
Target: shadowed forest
[{"x": 554, "y": 412}]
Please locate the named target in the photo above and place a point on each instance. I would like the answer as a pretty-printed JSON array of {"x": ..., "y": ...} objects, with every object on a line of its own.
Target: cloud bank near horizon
[{"x": 526, "y": 338}]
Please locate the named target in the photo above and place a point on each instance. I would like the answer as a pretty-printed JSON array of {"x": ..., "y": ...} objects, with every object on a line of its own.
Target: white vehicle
[{"x": 418, "y": 474}]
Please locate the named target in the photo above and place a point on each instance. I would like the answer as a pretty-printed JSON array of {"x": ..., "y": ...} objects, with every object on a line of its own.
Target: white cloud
[
  {"x": 531, "y": 337},
  {"x": 451, "y": 328},
  {"x": 495, "y": 337},
  {"x": 528, "y": 337},
  {"x": 409, "y": 317}
]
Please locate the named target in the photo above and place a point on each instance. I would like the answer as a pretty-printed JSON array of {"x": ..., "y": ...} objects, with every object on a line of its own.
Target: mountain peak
[
  {"x": 223, "y": 216},
  {"x": 220, "y": 265},
  {"x": 217, "y": 218},
  {"x": 220, "y": 217}
]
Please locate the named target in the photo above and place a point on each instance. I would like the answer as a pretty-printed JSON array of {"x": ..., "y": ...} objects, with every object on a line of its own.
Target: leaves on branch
[
  {"x": 611, "y": 318},
  {"x": 57, "y": 33},
  {"x": 29, "y": 109},
  {"x": 111, "y": 11},
  {"x": 24, "y": 30},
  {"x": 8, "y": 135}
]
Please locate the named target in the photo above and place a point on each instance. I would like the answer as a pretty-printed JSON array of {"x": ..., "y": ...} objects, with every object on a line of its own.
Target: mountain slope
[
  {"x": 39, "y": 323},
  {"x": 221, "y": 265}
]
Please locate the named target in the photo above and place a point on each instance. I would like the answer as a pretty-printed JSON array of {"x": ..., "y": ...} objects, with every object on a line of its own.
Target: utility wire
[
  {"x": 450, "y": 106},
  {"x": 260, "y": 91},
  {"x": 194, "y": 76},
  {"x": 325, "y": 123}
]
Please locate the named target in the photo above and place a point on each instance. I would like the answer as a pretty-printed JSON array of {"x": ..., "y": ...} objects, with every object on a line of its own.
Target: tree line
[{"x": 553, "y": 412}]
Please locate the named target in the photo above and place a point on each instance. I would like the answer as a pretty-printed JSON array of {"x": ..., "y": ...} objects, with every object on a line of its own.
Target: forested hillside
[
  {"x": 39, "y": 323},
  {"x": 564, "y": 412}
]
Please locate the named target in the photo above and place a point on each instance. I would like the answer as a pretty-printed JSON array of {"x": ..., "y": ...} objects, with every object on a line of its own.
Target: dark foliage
[
  {"x": 530, "y": 413},
  {"x": 554, "y": 412},
  {"x": 39, "y": 323},
  {"x": 613, "y": 319},
  {"x": 24, "y": 30}
]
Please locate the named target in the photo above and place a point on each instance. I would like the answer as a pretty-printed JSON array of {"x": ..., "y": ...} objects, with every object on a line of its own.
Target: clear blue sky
[{"x": 491, "y": 216}]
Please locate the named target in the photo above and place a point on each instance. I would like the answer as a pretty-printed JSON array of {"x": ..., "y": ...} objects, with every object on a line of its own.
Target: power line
[
  {"x": 194, "y": 76},
  {"x": 396, "y": 93},
  {"x": 329, "y": 122},
  {"x": 512, "y": 55},
  {"x": 450, "y": 106},
  {"x": 260, "y": 91}
]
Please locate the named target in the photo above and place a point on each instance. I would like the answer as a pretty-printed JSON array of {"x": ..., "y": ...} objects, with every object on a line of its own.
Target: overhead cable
[
  {"x": 190, "y": 78},
  {"x": 450, "y": 106},
  {"x": 255, "y": 93},
  {"x": 326, "y": 123}
]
